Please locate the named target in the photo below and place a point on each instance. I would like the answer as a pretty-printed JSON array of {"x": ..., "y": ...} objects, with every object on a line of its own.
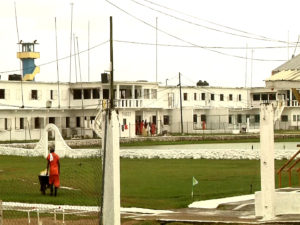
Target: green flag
[{"x": 195, "y": 182}]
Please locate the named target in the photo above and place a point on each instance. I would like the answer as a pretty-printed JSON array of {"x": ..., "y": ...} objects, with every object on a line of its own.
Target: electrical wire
[
  {"x": 54, "y": 61},
  {"x": 206, "y": 27},
  {"x": 209, "y": 47},
  {"x": 188, "y": 42},
  {"x": 217, "y": 24}
]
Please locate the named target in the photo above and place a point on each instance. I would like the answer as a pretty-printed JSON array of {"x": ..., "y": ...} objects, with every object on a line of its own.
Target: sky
[{"x": 229, "y": 43}]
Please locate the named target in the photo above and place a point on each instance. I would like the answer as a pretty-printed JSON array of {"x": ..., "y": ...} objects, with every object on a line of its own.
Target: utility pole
[
  {"x": 112, "y": 94},
  {"x": 156, "y": 52},
  {"x": 267, "y": 202},
  {"x": 110, "y": 209},
  {"x": 181, "y": 120}
]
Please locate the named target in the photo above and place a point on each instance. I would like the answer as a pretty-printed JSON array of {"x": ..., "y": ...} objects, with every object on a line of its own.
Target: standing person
[
  {"x": 142, "y": 127},
  {"x": 53, "y": 163},
  {"x": 153, "y": 129}
]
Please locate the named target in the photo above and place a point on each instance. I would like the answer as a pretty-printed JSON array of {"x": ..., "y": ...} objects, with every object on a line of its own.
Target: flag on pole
[{"x": 195, "y": 182}]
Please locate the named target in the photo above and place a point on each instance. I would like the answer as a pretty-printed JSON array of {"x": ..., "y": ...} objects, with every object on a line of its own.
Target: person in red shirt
[{"x": 53, "y": 163}]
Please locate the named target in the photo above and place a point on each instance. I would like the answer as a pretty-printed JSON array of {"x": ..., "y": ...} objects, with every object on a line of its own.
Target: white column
[
  {"x": 248, "y": 124},
  {"x": 267, "y": 161},
  {"x": 133, "y": 91},
  {"x": 111, "y": 198},
  {"x": 291, "y": 97},
  {"x": 12, "y": 123},
  {"x": 45, "y": 122}
]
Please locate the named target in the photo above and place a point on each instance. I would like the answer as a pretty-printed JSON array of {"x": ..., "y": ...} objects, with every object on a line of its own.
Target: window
[
  {"x": 77, "y": 121},
  {"x": 146, "y": 94},
  {"x": 34, "y": 94},
  {"x": 124, "y": 121},
  {"x": 240, "y": 97},
  {"x": 67, "y": 122},
  {"x": 195, "y": 96},
  {"x": 264, "y": 97},
  {"x": 154, "y": 93},
  {"x": 37, "y": 124},
  {"x": 22, "y": 123},
  {"x": 77, "y": 93},
  {"x": 202, "y": 96},
  {"x": 195, "y": 118},
  {"x": 230, "y": 97},
  {"x": 52, "y": 120},
  {"x": 239, "y": 118},
  {"x": 185, "y": 96},
  {"x": 272, "y": 96},
  {"x": 137, "y": 93},
  {"x": 203, "y": 118},
  {"x": 284, "y": 118},
  {"x": 256, "y": 97},
  {"x": 294, "y": 118},
  {"x": 230, "y": 119},
  {"x": 166, "y": 120},
  {"x": 256, "y": 118},
  {"x": 5, "y": 124},
  {"x": 105, "y": 93},
  {"x": 87, "y": 94},
  {"x": 221, "y": 97},
  {"x": 51, "y": 95},
  {"x": 96, "y": 94},
  {"x": 212, "y": 97},
  {"x": 2, "y": 93}
]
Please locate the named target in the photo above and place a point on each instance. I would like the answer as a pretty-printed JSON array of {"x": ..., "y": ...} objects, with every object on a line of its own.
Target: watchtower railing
[{"x": 289, "y": 170}]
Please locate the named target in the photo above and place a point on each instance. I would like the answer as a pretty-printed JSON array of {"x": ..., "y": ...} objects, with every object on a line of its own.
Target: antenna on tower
[
  {"x": 19, "y": 42},
  {"x": 296, "y": 46}
]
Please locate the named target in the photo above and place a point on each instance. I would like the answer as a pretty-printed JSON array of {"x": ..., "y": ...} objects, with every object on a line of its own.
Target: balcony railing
[{"x": 129, "y": 103}]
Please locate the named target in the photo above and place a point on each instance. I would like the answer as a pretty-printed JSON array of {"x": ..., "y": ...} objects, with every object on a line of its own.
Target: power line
[
  {"x": 56, "y": 60},
  {"x": 208, "y": 47},
  {"x": 188, "y": 42},
  {"x": 260, "y": 37}
]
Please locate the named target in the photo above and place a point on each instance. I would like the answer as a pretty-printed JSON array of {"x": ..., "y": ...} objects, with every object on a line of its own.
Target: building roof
[
  {"x": 286, "y": 75},
  {"x": 292, "y": 64}
]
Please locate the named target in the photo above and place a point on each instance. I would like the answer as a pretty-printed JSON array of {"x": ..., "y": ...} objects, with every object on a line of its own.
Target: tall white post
[
  {"x": 111, "y": 198},
  {"x": 267, "y": 161}
]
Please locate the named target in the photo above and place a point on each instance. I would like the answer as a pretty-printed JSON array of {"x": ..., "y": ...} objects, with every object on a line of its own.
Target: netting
[{"x": 77, "y": 200}]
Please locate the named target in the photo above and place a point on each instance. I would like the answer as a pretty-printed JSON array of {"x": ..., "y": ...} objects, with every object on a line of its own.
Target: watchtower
[{"x": 27, "y": 56}]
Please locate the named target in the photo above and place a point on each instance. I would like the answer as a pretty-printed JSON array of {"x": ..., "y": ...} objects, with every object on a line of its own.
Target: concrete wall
[{"x": 285, "y": 203}]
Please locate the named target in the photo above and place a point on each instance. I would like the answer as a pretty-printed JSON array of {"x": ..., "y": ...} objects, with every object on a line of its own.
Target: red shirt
[{"x": 53, "y": 161}]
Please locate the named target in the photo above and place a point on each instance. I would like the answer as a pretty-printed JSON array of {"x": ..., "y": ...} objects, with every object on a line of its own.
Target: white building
[{"x": 26, "y": 107}]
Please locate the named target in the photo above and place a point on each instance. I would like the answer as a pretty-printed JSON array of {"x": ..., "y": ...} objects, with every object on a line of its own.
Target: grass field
[{"x": 147, "y": 183}]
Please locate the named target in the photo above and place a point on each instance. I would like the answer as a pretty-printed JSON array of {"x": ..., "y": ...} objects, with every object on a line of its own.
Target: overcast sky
[{"x": 194, "y": 37}]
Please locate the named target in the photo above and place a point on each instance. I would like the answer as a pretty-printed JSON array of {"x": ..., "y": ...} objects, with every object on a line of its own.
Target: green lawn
[{"x": 147, "y": 183}]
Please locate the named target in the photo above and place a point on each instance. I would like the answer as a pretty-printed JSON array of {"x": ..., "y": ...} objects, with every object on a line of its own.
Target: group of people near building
[{"x": 145, "y": 128}]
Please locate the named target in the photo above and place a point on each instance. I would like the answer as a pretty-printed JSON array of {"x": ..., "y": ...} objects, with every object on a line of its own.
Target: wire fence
[
  {"x": 82, "y": 128},
  {"x": 24, "y": 202}
]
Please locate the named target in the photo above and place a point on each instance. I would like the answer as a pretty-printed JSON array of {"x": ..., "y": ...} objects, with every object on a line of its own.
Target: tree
[{"x": 202, "y": 83}]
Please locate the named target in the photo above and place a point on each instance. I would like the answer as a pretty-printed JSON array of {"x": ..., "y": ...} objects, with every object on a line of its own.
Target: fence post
[{"x": 1, "y": 213}]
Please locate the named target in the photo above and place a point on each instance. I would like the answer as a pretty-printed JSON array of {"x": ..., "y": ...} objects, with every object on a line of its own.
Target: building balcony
[
  {"x": 28, "y": 55},
  {"x": 133, "y": 103}
]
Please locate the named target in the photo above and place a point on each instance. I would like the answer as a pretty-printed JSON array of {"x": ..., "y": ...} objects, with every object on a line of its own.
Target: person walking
[{"x": 53, "y": 163}]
